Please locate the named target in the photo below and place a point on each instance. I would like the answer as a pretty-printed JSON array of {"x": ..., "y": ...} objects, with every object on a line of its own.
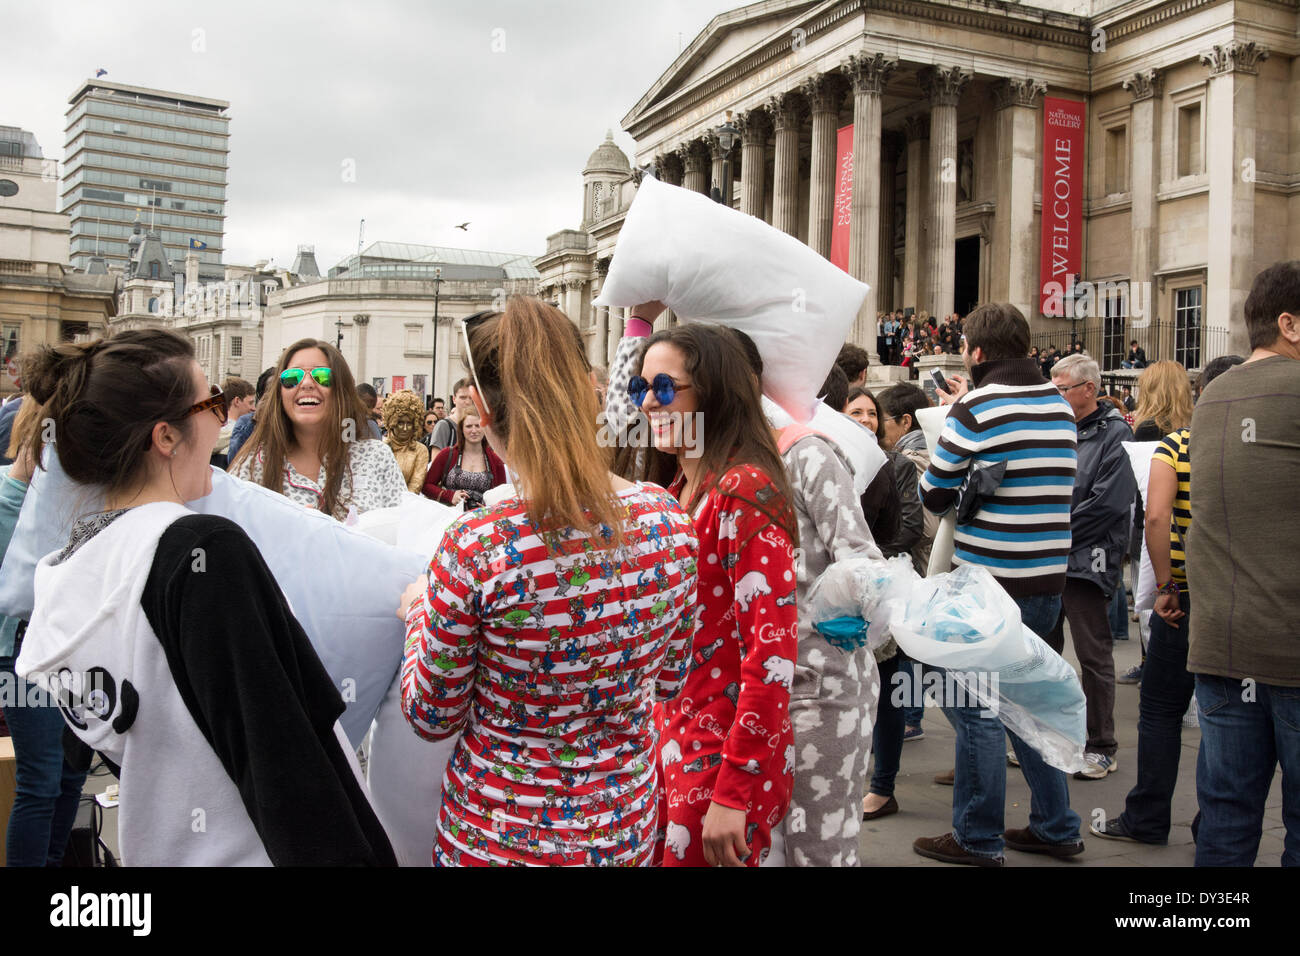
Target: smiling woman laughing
[{"x": 307, "y": 447}]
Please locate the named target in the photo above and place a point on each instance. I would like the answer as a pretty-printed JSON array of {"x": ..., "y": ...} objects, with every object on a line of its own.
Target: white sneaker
[
  {"x": 1190, "y": 718},
  {"x": 1098, "y": 766},
  {"x": 1011, "y": 758}
]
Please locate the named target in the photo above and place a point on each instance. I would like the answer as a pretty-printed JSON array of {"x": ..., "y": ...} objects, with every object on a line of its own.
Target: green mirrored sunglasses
[{"x": 292, "y": 377}]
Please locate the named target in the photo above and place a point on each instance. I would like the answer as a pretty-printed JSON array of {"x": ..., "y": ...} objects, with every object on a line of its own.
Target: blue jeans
[
  {"x": 48, "y": 790},
  {"x": 1242, "y": 742},
  {"x": 1163, "y": 698},
  {"x": 980, "y": 787}
]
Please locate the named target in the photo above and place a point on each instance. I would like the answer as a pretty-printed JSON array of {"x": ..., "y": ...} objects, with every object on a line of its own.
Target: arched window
[{"x": 153, "y": 304}]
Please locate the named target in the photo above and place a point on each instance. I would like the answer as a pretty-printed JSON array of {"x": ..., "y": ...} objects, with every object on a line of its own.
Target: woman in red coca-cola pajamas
[{"x": 727, "y": 746}]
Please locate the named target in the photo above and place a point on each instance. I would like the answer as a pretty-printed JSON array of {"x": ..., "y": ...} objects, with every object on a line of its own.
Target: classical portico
[
  {"x": 943, "y": 141},
  {"x": 946, "y": 99}
]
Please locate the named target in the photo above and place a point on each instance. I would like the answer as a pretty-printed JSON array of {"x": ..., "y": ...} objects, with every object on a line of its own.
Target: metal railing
[{"x": 1107, "y": 340}]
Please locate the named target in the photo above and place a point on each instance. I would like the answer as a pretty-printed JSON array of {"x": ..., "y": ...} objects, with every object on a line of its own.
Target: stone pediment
[{"x": 727, "y": 37}]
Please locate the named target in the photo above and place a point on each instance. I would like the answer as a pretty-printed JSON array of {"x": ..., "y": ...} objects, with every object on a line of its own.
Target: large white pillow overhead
[{"x": 710, "y": 263}]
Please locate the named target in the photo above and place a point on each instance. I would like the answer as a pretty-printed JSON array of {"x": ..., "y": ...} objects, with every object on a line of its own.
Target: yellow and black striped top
[{"x": 1172, "y": 450}]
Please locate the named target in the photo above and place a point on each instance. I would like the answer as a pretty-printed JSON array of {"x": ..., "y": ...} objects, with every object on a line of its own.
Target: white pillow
[{"x": 708, "y": 262}]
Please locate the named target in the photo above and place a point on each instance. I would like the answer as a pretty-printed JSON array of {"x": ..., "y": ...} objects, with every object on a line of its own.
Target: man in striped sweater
[{"x": 1021, "y": 533}]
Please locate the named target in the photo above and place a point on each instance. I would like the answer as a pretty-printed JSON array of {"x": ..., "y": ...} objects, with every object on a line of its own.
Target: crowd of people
[
  {"x": 902, "y": 336},
  {"x": 619, "y": 646}
]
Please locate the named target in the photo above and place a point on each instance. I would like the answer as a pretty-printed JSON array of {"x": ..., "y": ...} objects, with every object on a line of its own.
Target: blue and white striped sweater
[{"x": 1022, "y": 533}]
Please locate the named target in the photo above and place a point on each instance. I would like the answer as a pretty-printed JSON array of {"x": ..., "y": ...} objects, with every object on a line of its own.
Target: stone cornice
[
  {"x": 1236, "y": 56},
  {"x": 1018, "y": 92},
  {"x": 1144, "y": 84}
]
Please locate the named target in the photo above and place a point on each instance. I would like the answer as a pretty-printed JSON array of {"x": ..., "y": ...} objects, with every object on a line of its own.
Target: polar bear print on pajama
[
  {"x": 679, "y": 838},
  {"x": 751, "y": 586},
  {"x": 672, "y": 753},
  {"x": 779, "y": 670},
  {"x": 727, "y": 525}
]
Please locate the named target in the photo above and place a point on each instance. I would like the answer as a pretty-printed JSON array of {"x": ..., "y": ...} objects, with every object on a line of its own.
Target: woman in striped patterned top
[{"x": 550, "y": 623}]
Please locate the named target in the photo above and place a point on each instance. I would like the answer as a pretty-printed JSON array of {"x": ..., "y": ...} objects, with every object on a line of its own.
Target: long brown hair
[
  {"x": 544, "y": 415},
  {"x": 736, "y": 432},
  {"x": 273, "y": 430}
]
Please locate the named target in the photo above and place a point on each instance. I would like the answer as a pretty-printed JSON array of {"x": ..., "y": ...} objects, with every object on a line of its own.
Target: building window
[
  {"x": 1189, "y": 140},
  {"x": 1117, "y": 159},
  {"x": 1114, "y": 309},
  {"x": 236, "y": 346},
  {"x": 153, "y": 304},
  {"x": 11, "y": 345},
  {"x": 154, "y": 268},
  {"x": 1187, "y": 327}
]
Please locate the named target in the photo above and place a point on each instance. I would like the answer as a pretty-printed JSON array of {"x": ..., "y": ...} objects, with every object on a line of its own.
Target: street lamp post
[
  {"x": 339, "y": 325},
  {"x": 433, "y": 370},
  {"x": 727, "y": 135}
]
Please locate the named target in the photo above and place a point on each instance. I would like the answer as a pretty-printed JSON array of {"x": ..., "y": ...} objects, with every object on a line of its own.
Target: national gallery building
[{"x": 1118, "y": 170}]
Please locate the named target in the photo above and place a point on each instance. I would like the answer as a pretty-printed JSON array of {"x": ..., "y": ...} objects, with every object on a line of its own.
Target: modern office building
[{"x": 140, "y": 155}]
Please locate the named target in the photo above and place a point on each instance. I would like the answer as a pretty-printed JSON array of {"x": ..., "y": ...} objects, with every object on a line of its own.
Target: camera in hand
[{"x": 473, "y": 499}]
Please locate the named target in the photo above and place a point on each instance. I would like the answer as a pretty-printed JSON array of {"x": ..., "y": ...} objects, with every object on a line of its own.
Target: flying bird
[{"x": 463, "y": 225}]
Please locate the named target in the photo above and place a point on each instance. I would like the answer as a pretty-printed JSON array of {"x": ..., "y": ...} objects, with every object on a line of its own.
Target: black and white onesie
[{"x": 180, "y": 660}]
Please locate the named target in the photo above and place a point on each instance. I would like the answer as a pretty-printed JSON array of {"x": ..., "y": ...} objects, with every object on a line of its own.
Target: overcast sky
[{"x": 440, "y": 128}]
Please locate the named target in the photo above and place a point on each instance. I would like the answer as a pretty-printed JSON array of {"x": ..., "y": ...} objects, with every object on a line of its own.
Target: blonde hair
[{"x": 1164, "y": 396}]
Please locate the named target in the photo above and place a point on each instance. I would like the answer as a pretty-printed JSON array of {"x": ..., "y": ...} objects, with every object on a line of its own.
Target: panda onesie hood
[{"x": 174, "y": 654}]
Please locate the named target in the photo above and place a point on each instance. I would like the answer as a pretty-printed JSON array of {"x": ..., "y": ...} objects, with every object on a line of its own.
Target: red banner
[
  {"x": 399, "y": 383},
  {"x": 1062, "y": 236},
  {"x": 843, "y": 198}
]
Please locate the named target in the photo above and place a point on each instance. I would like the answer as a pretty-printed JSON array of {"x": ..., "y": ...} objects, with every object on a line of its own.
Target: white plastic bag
[{"x": 964, "y": 622}]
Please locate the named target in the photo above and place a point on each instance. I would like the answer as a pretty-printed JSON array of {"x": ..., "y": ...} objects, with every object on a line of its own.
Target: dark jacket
[
  {"x": 445, "y": 460},
  {"x": 1104, "y": 490},
  {"x": 911, "y": 517}
]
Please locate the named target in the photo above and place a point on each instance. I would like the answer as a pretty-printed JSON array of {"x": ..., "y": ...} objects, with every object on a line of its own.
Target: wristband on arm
[{"x": 637, "y": 327}]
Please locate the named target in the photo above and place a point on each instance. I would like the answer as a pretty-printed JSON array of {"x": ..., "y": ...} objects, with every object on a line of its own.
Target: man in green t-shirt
[{"x": 1244, "y": 646}]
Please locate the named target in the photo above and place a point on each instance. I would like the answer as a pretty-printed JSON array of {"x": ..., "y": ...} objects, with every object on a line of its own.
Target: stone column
[
  {"x": 693, "y": 160},
  {"x": 785, "y": 112},
  {"x": 362, "y": 325},
  {"x": 824, "y": 94},
  {"x": 943, "y": 85},
  {"x": 1231, "y": 120},
  {"x": 614, "y": 323},
  {"x": 868, "y": 73},
  {"x": 1144, "y": 181},
  {"x": 753, "y": 160},
  {"x": 916, "y": 129},
  {"x": 718, "y": 169},
  {"x": 890, "y": 143},
  {"x": 573, "y": 301},
  {"x": 1015, "y": 245}
]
